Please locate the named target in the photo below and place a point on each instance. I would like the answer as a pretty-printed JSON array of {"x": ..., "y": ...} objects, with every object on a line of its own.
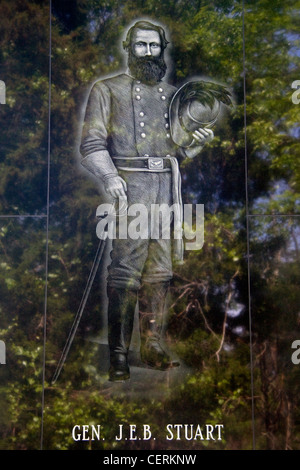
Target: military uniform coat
[{"x": 129, "y": 119}]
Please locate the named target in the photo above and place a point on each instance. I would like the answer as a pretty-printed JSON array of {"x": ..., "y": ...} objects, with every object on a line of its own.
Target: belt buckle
[{"x": 155, "y": 163}]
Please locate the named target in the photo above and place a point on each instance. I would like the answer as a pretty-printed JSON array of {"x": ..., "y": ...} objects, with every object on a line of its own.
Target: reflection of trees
[
  {"x": 208, "y": 321},
  {"x": 189, "y": 291},
  {"x": 275, "y": 309}
]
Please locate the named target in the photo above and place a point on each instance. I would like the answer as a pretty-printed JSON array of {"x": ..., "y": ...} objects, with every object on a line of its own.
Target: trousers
[{"x": 134, "y": 261}]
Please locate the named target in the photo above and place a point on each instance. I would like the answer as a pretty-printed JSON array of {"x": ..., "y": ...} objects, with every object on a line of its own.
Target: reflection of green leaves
[
  {"x": 206, "y": 41},
  {"x": 10, "y": 283},
  {"x": 272, "y": 64}
]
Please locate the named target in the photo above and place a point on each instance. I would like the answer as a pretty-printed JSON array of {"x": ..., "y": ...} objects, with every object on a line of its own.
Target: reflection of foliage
[
  {"x": 272, "y": 64},
  {"x": 23, "y": 414},
  {"x": 209, "y": 293},
  {"x": 198, "y": 296},
  {"x": 276, "y": 304}
]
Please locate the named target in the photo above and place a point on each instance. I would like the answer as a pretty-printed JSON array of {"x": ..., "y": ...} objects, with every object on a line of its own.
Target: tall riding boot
[
  {"x": 121, "y": 307},
  {"x": 152, "y": 300}
]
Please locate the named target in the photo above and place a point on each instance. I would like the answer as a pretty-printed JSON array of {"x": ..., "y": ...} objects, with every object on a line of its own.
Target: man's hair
[{"x": 148, "y": 26}]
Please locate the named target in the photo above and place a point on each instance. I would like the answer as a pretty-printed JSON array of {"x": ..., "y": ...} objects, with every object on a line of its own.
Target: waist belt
[{"x": 156, "y": 164}]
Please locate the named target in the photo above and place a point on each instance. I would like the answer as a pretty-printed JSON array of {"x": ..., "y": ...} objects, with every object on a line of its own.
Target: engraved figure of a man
[{"x": 126, "y": 142}]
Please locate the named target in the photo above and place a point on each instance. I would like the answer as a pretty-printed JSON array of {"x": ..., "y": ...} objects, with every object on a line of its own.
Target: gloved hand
[
  {"x": 200, "y": 137},
  {"x": 115, "y": 186}
]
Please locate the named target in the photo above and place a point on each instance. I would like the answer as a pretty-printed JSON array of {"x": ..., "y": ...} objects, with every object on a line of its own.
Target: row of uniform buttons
[
  {"x": 142, "y": 114},
  {"x": 146, "y": 155},
  {"x": 138, "y": 89}
]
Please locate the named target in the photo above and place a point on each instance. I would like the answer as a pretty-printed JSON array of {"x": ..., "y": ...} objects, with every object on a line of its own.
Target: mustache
[{"x": 146, "y": 59}]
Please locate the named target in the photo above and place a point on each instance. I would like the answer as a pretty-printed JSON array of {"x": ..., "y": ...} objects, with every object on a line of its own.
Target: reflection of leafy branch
[
  {"x": 294, "y": 237},
  {"x": 4, "y": 249},
  {"x": 226, "y": 314},
  {"x": 4, "y": 231},
  {"x": 205, "y": 319},
  {"x": 187, "y": 289},
  {"x": 195, "y": 286},
  {"x": 64, "y": 264},
  {"x": 233, "y": 401},
  {"x": 275, "y": 405}
]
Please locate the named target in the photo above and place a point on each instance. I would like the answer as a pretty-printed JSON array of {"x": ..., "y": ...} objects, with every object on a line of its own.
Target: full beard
[{"x": 148, "y": 70}]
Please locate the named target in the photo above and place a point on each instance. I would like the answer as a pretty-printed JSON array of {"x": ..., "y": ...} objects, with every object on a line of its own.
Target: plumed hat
[{"x": 196, "y": 104}]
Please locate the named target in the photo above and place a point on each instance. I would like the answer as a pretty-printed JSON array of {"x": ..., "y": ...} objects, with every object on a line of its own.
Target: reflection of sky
[
  {"x": 294, "y": 131},
  {"x": 276, "y": 193},
  {"x": 293, "y": 243},
  {"x": 235, "y": 311},
  {"x": 239, "y": 330},
  {"x": 265, "y": 228},
  {"x": 293, "y": 41}
]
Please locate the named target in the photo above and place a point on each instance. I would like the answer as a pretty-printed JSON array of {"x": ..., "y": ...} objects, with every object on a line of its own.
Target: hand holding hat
[
  {"x": 201, "y": 136},
  {"x": 194, "y": 109}
]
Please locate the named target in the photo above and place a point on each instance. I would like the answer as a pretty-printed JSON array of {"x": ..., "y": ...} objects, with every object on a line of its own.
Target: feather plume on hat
[{"x": 196, "y": 104}]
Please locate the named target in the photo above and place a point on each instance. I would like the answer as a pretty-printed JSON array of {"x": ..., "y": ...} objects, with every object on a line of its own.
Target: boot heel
[{"x": 119, "y": 369}]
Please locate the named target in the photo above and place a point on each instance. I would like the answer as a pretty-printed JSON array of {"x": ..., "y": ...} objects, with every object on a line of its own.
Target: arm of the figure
[
  {"x": 200, "y": 138},
  {"x": 93, "y": 149}
]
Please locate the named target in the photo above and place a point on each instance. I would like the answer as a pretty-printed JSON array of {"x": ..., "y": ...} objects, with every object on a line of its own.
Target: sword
[{"x": 82, "y": 304}]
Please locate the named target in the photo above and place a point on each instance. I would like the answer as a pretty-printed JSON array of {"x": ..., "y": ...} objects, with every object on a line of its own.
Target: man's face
[
  {"x": 146, "y": 56},
  {"x": 146, "y": 43}
]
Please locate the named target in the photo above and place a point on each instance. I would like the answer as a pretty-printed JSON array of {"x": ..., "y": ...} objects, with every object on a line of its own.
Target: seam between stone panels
[
  {"x": 47, "y": 233},
  {"x": 247, "y": 227}
]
